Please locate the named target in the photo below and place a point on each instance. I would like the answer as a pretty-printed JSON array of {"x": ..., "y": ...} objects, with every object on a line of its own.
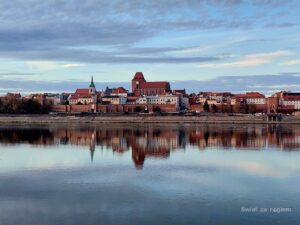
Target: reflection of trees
[
  {"x": 30, "y": 136},
  {"x": 146, "y": 141}
]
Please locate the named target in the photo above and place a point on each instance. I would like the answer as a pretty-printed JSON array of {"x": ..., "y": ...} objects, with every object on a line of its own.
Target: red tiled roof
[
  {"x": 146, "y": 85},
  {"x": 139, "y": 76},
  {"x": 119, "y": 90},
  {"x": 82, "y": 91},
  {"x": 250, "y": 95},
  {"x": 75, "y": 96}
]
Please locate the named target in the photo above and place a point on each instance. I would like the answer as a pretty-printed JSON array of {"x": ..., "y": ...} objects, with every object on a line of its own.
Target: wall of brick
[{"x": 196, "y": 107}]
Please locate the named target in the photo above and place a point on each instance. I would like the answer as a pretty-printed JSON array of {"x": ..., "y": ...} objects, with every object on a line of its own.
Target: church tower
[
  {"x": 92, "y": 89},
  {"x": 136, "y": 82}
]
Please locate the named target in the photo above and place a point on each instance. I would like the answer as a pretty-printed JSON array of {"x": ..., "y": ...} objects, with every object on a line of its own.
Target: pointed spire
[{"x": 92, "y": 82}]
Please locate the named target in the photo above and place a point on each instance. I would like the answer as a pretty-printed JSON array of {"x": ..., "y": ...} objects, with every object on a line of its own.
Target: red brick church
[{"x": 141, "y": 87}]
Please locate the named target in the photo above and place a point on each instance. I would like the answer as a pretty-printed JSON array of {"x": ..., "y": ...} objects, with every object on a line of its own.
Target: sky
[{"x": 230, "y": 45}]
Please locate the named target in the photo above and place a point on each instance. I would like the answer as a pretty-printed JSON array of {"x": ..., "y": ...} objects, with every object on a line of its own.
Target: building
[
  {"x": 288, "y": 99},
  {"x": 10, "y": 95},
  {"x": 120, "y": 91},
  {"x": 250, "y": 102},
  {"x": 160, "y": 100},
  {"x": 84, "y": 96},
  {"x": 114, "y": 99},
  {"x": 249, "y": 98},
  {"x": 284, "y": 102},
  {"x": 141, "y": 87}
]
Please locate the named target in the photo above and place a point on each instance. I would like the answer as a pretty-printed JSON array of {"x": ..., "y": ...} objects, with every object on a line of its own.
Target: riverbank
[{"x": 141, "y": 118}]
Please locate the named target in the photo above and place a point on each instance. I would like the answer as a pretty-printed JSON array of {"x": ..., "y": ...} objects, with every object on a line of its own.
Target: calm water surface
[{"x": 150, "y": 174}]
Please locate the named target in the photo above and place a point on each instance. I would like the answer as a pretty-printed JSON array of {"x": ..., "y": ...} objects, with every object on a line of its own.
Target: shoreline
[{"x": 140, "y": 118}]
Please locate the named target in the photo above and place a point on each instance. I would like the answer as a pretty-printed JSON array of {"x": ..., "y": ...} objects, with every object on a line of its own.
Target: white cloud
[
  {"x": 49, "y": 65},
  {"x": 249, "y": 60},
  {"x": 192, "y": 50},
  {"x": 42, "y": 65},
  {"x": 71, "y": 65},
  {"x": 291, "y": 62}
]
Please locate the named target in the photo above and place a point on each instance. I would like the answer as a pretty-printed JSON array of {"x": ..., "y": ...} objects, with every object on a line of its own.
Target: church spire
[{"x": 92, "y": 82}]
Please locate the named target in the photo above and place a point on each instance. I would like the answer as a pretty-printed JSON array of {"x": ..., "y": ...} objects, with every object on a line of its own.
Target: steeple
[
  {"x": 92, "y": 89},
  {"x": 92, "y": 82}
]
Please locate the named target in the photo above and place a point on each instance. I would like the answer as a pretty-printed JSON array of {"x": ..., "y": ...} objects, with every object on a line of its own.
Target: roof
[
  {"x": 180, "y": 91},
  {"x": 82, "y": 91},
  {"x": 138, "y": 76},
  {"x": 75, "y": 97},
  {"x": 250, "y": 95},
  {"x": 291, "y": 97},
  {"x": 119, "y": 90},
  {"x": 161, "y": 84}
]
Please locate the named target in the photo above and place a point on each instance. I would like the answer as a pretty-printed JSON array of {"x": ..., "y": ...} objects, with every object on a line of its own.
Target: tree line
[{"x": 21, "y": 106}]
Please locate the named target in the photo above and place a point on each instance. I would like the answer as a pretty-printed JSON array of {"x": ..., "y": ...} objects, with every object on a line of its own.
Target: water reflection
[{"x": 157, "y": 140}]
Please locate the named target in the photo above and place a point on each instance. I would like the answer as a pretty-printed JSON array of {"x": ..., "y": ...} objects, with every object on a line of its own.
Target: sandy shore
[{"x": 71, "y": 119}]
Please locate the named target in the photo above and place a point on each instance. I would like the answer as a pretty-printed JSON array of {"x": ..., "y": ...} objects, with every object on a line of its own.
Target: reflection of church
[{"x": 143, "y": 143}]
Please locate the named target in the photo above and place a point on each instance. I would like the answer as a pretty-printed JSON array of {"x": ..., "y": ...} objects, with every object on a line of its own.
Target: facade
[
  {"x": 114, "y": 99},
  {"x": 213, "y": 98},
  {"x": 141, "y": 87},
  {"x": 159, "y": 100}
]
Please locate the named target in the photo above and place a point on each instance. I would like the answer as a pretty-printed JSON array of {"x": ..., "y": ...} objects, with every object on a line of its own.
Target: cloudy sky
[{"x": 238, "y": 45}]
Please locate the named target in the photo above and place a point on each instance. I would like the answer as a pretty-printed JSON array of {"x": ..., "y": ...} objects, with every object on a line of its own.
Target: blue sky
[{"x": 58, "y": 45}]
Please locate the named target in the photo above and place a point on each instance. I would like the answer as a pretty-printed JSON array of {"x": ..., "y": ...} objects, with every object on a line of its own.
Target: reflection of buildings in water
[
  {"x": 158, "y": 141},
  {"x": 226, "y": 137},
  {"x": 284, "y": 137}
]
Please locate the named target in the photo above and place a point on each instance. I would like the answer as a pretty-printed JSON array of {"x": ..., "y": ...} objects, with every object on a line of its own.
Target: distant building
[
  {"x": 285, "y": 102},
  {"x": 213, "y": 98},
  {"x": 290, "y": 99},
  {"x": 119, "y": 91},
  {"x": 114, "y": 99},
  {"x": 249, "y": 98},
  {"x": 159, "y": 100},
  {"x": 141, "y": 87},
  {"x": 84, "y": 96},
  {"x": 13, "y": 95}
]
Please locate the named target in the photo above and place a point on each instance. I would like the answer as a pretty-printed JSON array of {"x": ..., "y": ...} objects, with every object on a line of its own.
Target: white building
[{"x": 159, "y": 100}]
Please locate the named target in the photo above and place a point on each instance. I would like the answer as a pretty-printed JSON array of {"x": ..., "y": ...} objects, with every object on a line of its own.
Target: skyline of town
[
  {"x": 191, "y": 86},
  {"x": 149, "y": 97}
]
